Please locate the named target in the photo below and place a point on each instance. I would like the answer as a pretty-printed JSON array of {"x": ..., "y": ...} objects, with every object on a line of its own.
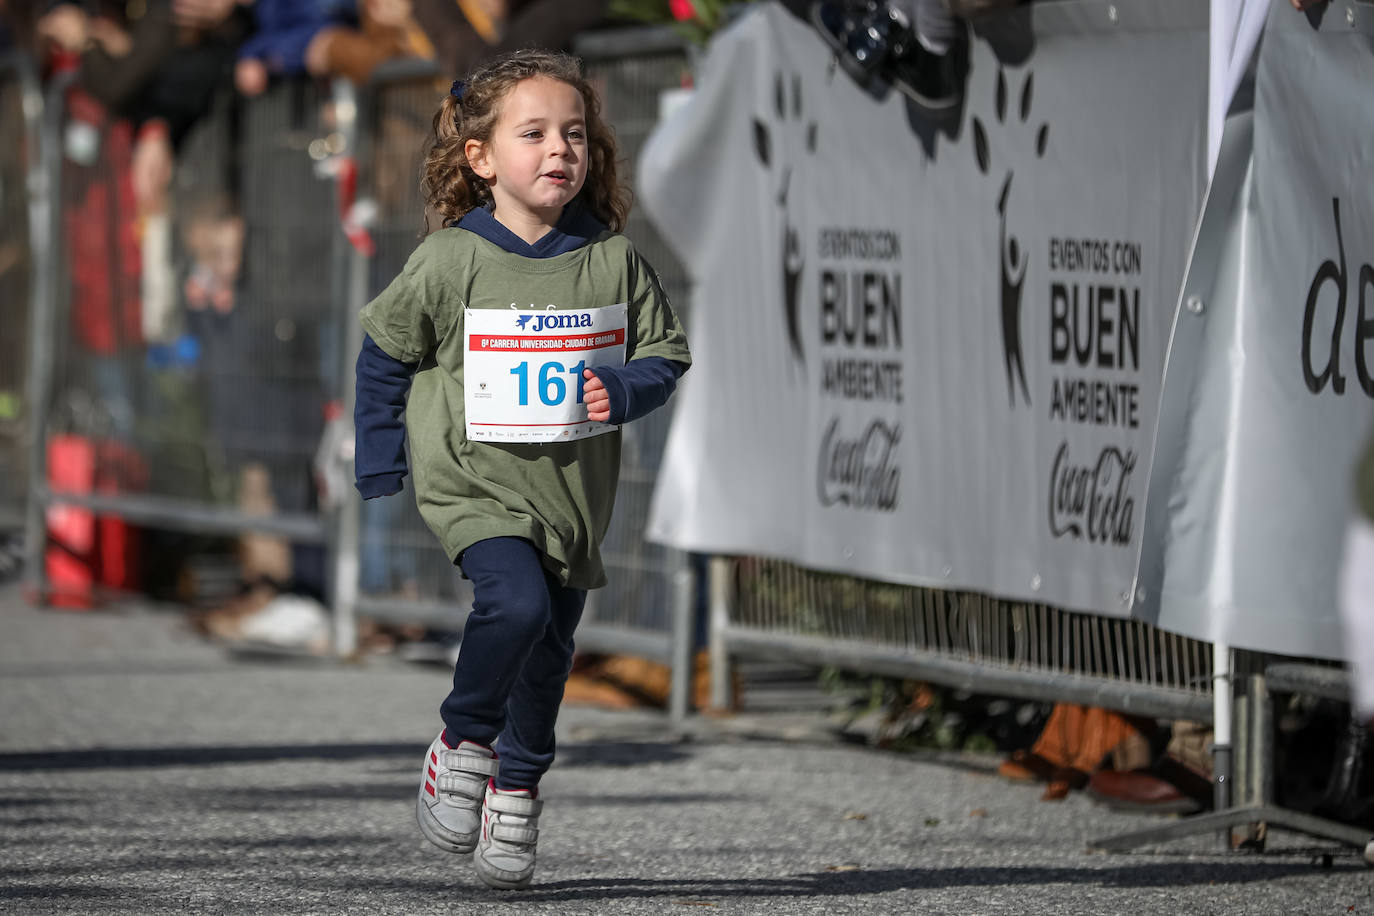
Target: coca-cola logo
[
  {"x": 1093, "y": 500},
  {"x": 860, "y": 472}
]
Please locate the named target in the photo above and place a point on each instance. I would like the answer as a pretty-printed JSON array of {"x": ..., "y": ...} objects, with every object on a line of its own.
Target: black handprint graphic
[
  {"x": 1011, "y": 257},
  {"x": 789, "y": 112}
]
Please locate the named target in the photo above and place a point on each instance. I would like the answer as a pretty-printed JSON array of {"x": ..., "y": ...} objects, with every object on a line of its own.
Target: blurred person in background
[
  {"x": 16, "y": 26},
  {"x": 465, "y": 33},
  {"x": 1357, "y": 616},
  {"x": 156, "y": 64},
  {"x": 322, "y": 38},
  {"x": 15, "y": 271}
]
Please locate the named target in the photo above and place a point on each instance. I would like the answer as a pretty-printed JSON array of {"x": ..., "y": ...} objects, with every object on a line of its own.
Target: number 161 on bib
[{"x": 523, "y": 371}]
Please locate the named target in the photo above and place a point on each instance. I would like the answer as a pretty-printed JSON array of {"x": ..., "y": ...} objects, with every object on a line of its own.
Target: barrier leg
[
  {"x": 1259, "y": 811},
  {"x": 684, "y": 607},
  {"x": 45, "y": 190},
  {"x": 719, "y": 620},
  {"x": 1223, "y": 703},
  {"x": 345, "y": 560}
]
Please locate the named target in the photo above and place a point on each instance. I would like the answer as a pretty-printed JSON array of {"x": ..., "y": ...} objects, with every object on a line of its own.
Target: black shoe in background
[
  {"x": 872, "y": 42},
  {"x": 860, "y": 34},
  {"x": 934, "y": 82}
]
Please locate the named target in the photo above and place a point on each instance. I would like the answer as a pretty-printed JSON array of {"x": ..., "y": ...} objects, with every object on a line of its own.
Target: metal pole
[
  {"x": 43, "y": 117},
  {"x": 1262, "y": 752},
  {"x": 719, "y": 620},
  {"x": 684, "y": 606},
  {"x": 1221, "y": 731},
  {"x": 346, "y": 535},
  {"x": 1252, "y": 756}
]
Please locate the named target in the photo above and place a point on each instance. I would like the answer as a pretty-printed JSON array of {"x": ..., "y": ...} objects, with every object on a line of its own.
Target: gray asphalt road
[{"x": 143, "y": 771}]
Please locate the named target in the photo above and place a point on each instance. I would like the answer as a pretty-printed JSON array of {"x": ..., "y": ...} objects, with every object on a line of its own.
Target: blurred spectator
[
  {"x": 325, "y": 38},
  {"x": 15, "y": 269},
  {"x": 1074, "y": 743},
  {"x": 1178, "y": 781},
  {"x": 164, "y": 65},
  {"x": 16, "y": 25},
  {"x": 467, "y": 32},
  {"x": 387, "y": 30},
  {"x": 160, "y": 71},
  {"x": 213, "y": 237},
  {"x": 243, "y": 405}
]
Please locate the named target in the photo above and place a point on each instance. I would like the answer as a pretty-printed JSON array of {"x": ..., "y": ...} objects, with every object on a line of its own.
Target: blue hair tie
[{"x": 458, "y": 90}]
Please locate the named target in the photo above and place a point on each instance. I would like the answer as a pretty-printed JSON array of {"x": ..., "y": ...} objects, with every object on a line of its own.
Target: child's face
[
  {"x": 224, "y": 251},
  {"x": 216, "y": 245},
  {"x": 536, "y": 160}
]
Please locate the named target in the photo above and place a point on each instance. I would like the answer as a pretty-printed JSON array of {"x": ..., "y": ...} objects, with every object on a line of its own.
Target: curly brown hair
[{"x": 450, "y": 186}]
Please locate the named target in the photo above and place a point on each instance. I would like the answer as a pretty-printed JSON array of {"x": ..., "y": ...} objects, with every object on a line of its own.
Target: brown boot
[
  {"x": 1091, "y": 733},
  {"x": 1170, "y": 787},
  {"x": 1103, "y": 731},
  {"x": 1025, "y": 766},
  {"x": 1051, "y": 750}
]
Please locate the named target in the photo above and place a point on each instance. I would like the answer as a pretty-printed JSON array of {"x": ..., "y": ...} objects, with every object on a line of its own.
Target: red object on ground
[
  {"x": 85, "y": 550},
  {"x": 69, "y": 559}
]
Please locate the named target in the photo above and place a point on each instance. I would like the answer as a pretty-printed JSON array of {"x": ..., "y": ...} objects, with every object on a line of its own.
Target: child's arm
[
  {"x": 379, "y": 463},
  {"x": 620, "y": 394}
]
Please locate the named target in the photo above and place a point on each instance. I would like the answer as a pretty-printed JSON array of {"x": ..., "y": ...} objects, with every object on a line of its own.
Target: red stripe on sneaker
[
  {"x": 429, "y": 788},
  {"x": 433, "y": 757},
  {"x": 431, "y": 772}
]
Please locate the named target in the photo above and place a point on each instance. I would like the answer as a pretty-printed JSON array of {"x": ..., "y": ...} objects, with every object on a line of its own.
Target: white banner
[
  {"x": 931, "y": 354},
  {"x": 523, "y": 371},
  {"x": 1269, "y": 391}
]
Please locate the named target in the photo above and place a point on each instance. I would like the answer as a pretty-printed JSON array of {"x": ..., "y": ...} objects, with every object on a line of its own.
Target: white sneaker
[
  {"x": 510, "y": 830},
  {"x": 1369, "y": 851},
  {"x": 453, "y": 782}
]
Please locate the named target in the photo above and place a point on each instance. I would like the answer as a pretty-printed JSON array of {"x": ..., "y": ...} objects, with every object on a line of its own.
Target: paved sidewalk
[{"x": 143, "y": 771}]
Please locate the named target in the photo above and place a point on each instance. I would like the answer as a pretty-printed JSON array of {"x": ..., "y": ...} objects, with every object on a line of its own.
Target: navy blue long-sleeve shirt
[{"x": 635, "y": 389}]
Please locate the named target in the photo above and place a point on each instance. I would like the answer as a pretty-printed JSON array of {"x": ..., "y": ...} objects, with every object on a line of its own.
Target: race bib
[{"x": 523, "y": 371}]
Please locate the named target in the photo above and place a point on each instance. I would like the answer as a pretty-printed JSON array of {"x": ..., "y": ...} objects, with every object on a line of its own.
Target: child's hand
[
  {"x": 250, "y": 76},
  {"x": 597, "y": 399}
]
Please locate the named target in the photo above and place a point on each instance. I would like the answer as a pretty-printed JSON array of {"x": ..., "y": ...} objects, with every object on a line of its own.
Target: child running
[{"x": 517, "y": 339}]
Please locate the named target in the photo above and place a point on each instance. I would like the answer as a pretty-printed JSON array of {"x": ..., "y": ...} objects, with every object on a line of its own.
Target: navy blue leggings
[{"x": 515, "y": 657}]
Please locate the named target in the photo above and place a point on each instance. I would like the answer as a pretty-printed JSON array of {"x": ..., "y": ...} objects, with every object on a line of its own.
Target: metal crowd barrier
[
  {"x": 962, "y": 639},
  {"x": 22, "y": 269},
  {"x": 196, "y": 412}
]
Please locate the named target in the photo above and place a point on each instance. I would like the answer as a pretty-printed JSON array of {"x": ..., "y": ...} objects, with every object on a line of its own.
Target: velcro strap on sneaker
[
  {"x": 509, "y": 833},
  {"x": 469, "y": 762},
  {"x": 464, "y": 786},
  {"x": 514, "y": 804}
]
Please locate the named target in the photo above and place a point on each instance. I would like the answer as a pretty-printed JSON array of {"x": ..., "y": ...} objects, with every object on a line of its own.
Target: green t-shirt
[{"x": 558, "y": 495}]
